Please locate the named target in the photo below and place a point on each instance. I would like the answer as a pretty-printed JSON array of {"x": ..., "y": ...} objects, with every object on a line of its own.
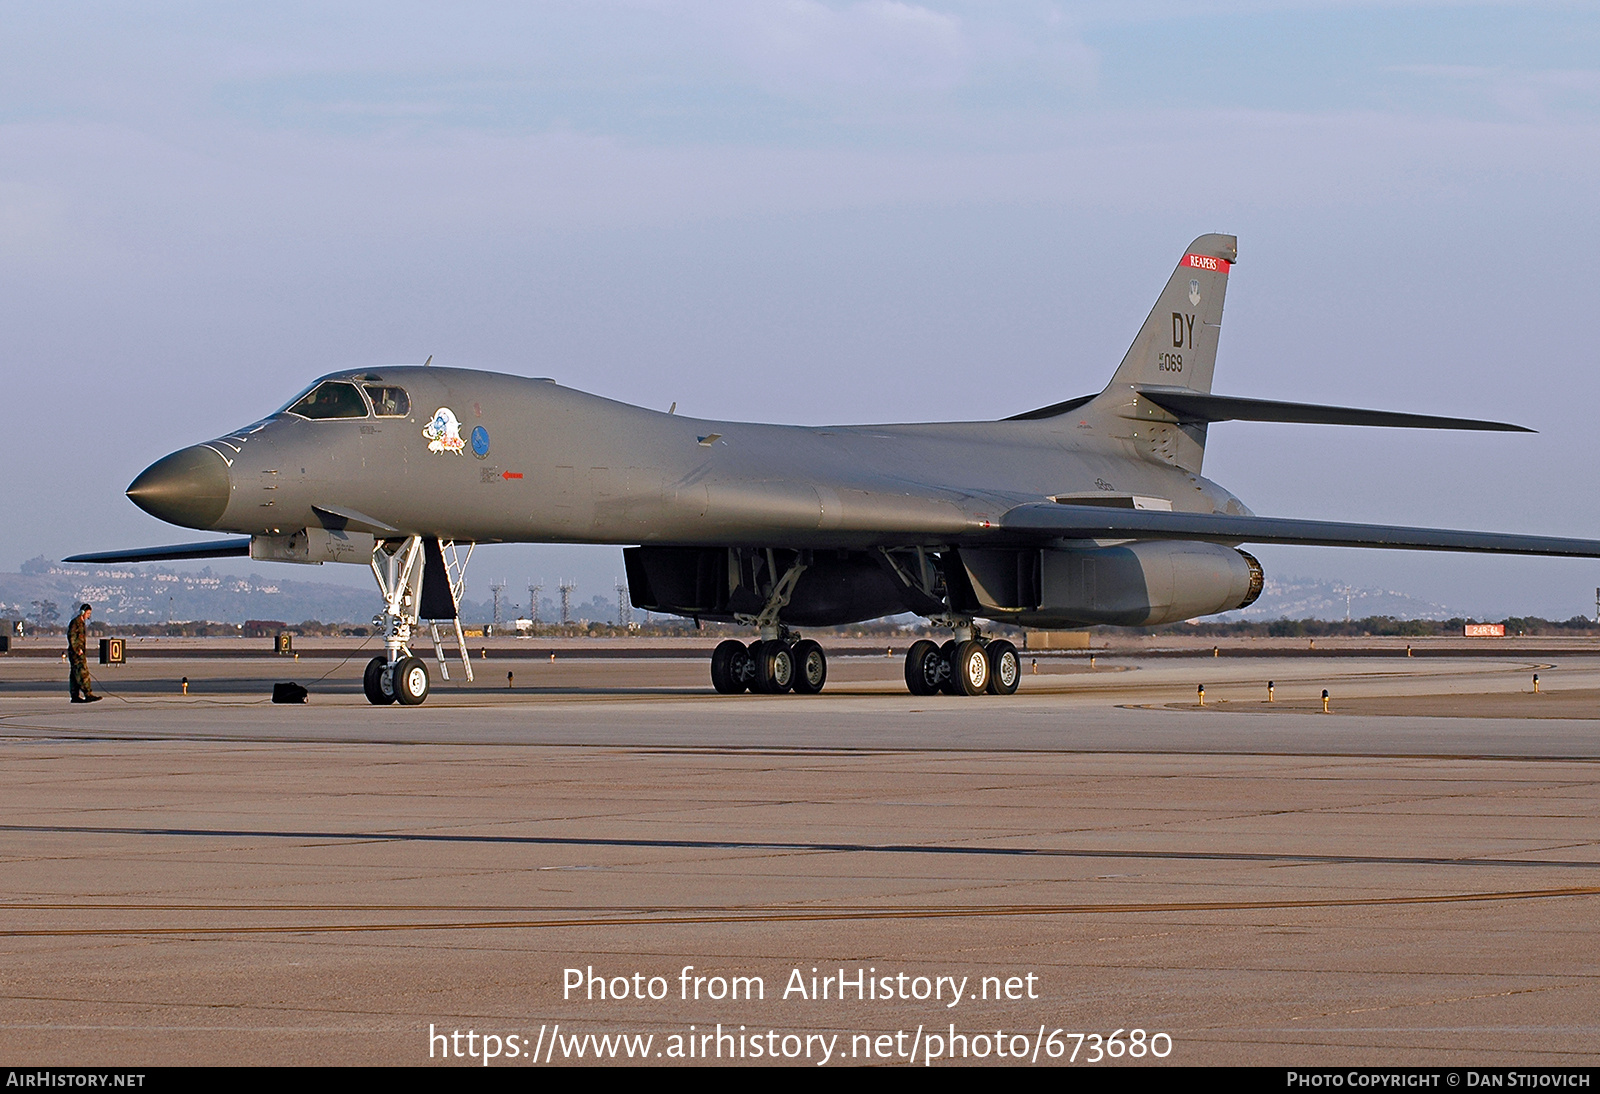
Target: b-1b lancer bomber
[{"x": 1090, "y": 511}]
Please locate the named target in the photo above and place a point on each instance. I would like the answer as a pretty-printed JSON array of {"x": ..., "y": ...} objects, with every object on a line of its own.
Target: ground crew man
[{"x": 78, "y": 656}]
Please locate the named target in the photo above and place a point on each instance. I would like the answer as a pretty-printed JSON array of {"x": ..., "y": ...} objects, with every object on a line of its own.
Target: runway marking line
[
  {"x": 724, "y": 916},
  {"x": 793, "y": 847},
  {"x": 60, "y": 735}
]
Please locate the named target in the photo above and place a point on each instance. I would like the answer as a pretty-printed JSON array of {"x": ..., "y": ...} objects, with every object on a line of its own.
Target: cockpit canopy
[
  {"x": 330, "y": 399},
  {"x": 343, "y": 399},
  {"x": 388, "y": 402}
]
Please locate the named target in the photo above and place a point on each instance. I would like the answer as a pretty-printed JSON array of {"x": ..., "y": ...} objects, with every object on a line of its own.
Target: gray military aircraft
[{"x": 1088, "y": 511}]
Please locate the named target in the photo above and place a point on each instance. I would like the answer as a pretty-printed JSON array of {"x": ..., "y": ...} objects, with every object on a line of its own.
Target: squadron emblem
[
  {"x": 444, "y": 432},
  {"x": 1194, "y": 294}
]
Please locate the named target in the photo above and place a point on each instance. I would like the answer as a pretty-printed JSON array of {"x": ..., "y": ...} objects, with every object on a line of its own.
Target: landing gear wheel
[
  {"x": 810, "y": 667},
  {"x": 377, "y": 682},
  {"x": 774, "y": 667},
  {"x": 1005, "y": 668},
  {"x": 948, "y": 682},
  {"x": 924, "y": 667},
  {"x": 731, "y": 667},
  {"x": 970, "y": 663},
  {"x": 410, "y": 681}
]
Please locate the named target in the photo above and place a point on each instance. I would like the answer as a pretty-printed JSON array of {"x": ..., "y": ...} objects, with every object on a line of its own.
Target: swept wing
[
  {"x": 216, "y": 548},
  {"x": 1097, "y": 522}
]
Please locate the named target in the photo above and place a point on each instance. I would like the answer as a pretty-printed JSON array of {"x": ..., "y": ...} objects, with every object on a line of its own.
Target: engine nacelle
[{"x": 1136, "y": 585}]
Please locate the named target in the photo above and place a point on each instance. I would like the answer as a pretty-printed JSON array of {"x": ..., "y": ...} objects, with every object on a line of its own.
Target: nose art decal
[{"x": 444, "y": 432}]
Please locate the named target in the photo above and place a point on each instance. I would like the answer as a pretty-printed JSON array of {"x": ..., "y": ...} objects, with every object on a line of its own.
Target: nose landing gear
[
  {"x": 410, "y": 681},
  {"x": 419, "y": 578},
  {"x": 378, "y": 682}
]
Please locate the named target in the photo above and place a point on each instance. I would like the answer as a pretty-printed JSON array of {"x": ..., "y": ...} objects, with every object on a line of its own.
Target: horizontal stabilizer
[
  {"x": 216, "y": 548},
  {"x": 1096, "y": 522},
  {"x": 1052, "y": 410},
  {"x": 1198, "y": 406}
]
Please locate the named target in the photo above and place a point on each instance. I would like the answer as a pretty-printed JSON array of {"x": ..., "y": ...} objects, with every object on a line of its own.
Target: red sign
[
  {"x": 1206, "y": 262},
  {"x": 1486, "y": 630}
]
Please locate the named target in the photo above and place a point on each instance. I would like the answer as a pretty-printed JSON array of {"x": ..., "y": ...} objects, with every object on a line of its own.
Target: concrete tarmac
[{"x": 1412, "y": 878}]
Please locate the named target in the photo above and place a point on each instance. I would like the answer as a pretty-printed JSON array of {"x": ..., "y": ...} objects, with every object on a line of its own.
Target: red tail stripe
[{"x": 1206, "y": 262}]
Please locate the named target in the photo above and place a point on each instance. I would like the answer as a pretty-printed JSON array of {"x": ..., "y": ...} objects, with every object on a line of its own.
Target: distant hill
[
  {"x": 1308, "y": 598},
  {"x": 154, "y": 594}
]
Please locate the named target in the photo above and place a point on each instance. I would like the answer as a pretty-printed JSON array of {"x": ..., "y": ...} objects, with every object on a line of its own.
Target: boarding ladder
[{"x": 455, "y": 567}]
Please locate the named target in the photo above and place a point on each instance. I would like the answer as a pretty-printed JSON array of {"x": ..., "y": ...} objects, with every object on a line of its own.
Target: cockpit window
[
  {"x": 331, "y": 399},
  {"x": 389, "y": 402}
]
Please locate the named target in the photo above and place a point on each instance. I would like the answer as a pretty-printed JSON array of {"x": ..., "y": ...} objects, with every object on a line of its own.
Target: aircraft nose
[{"x": 189, "y": 487}]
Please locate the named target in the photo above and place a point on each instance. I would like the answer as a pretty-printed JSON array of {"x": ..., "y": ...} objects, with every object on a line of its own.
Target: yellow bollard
[
  {"x": 186, "y": 685},
  {"x": 1036, "y": 666},
  {"x": 1536, "y": 683},
  {"x": 1408, "y": 651},
  {"x": 552, "y": 657},
  {"x": 1216, "y": 651},
  {"x": 889, "y": 652},
  {"x": 1312, "y": 644},
  {"x": 1202, "y": 690},
  {"x": 1269, "y": 692},
  {"x": 508, "y": 680},
  {"x": 1091, "y": 660},
  {"x": 1324, "y": 700}
]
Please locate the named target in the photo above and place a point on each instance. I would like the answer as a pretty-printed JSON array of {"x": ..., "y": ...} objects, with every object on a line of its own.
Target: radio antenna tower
[
  {"x": 624, "y": 606},
  {"x": 534, "y": 589},
  {"x": 498, "y": 587},
  {"x": 566, "y": 588}
]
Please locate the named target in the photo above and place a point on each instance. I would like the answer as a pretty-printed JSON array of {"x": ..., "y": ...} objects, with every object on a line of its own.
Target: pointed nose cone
[{"x": 189, "y": 487}]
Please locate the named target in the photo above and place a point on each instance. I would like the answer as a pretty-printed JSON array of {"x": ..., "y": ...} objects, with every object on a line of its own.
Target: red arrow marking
[{"x": 511, "y": 474}]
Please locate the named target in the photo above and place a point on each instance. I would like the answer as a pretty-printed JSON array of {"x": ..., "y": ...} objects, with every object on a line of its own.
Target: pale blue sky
[{"x": 812, "y": 212}]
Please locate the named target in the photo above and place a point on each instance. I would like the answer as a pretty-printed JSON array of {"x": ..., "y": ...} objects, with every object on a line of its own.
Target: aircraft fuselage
[{"x": 487, "y": 457}]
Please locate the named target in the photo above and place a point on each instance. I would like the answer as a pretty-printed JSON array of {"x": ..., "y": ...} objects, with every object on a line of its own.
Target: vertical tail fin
[{"x": 1177, "y": 346}]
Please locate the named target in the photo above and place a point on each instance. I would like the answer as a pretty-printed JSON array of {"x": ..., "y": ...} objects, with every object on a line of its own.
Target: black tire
[
  {"x": 924, "y": 668},
  {"x": 377, "y": 682},
  {"x": 410, "y": 678},
  {"x": 1005, "y": 668},
  {"x": 774, "y": 668},
  {"x": 810, "y": 667},
  {"x": 730, "y": 667},
  {"x": 969, "y": 663},
  {"x": 948, "y": 683},
  {"x": 744, "y": 671}
]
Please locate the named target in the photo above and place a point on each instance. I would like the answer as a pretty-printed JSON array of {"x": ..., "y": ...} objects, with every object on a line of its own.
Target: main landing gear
[
  {"x": 779, "y": 660},
  {"x": 769, "y": 667},
  {"x": 963, "y": 666}
]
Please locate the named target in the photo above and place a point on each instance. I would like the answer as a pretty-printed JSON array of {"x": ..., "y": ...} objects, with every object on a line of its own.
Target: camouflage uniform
[{"x": 78, "y": 658}]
